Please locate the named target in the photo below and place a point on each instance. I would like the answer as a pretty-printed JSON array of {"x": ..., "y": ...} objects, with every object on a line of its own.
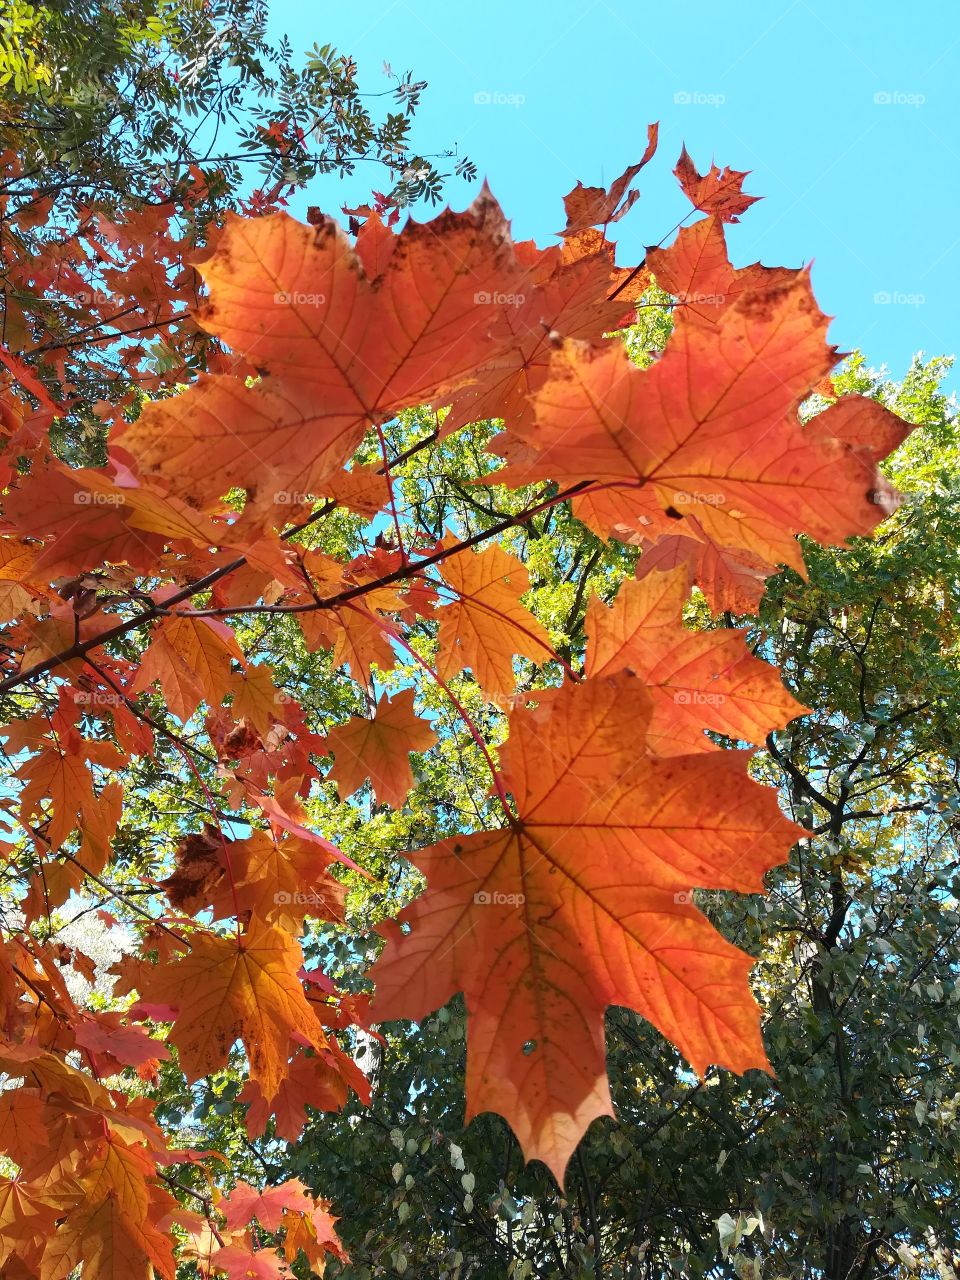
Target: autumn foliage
[{"x": 121, "y": 584}]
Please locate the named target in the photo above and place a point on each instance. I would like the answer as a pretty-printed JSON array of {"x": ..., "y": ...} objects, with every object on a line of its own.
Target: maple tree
[
  {"x": 131, "y": 591},
  {"x": 840, "y": 1162}
]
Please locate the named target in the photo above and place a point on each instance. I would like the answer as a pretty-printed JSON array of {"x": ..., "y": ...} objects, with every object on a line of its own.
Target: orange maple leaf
[
  {"x": 26, "y": 1221},
  {"x": 243, "y": 1262},
  {"x": 190, "y": 660},
  {"x": 25, "y": 1120},
  {"x": 593, "y": 206},
  {"x": 379, "y": 749},
  {"x": 718, "y": 191},
  {"x": 113, "y": 1045},
  {"x": 280, "y": 880},
  {"x": 581, "y": 902},
  {"x": 351, "y": 337},
  {"x": 487, "y": 625},
  {"x": 731, "y": 581},
  {"x": 256, "y": 698},
  {"x": 227, "y": 989},
  {"x": 698, "y": 679},
  {"x": 314, "y": 1233},
  {"x": 111, "y": 1231},
  {"x": 244, "y": 1203},
  {"x": 711, "y": 430},
  {"x": 320, "y": 1081},
  {"x": 60, "y": 776},
  {"x": 84, "y": 527}
]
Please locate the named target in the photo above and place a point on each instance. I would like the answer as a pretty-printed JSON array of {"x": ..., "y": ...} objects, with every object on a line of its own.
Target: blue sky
[{"x": 847, "y": 115}]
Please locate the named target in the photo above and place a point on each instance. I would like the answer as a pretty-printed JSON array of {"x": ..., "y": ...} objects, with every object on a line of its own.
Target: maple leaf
[
  {"x": 130, "y": 1046},
  {"x": 268, "y": 1206},
  {"x": 362, "y": 489},
  {"x": 241, "y": 1263},
  {"x": 866, "y": 429},
  {"x": 190, "y": 660},
  {"x": 201, "y": 1241},
  {"x": 26, "y": 1219},
  {"x": 358, "y": 636},
  {"x": 581, "y": 902},
  {"x": 110, "y": 1231},
  {"x": 697, "y": 271},
  {"x": 98, "y": 826},
  {"x": 710, "y": 429},
  {"x": 379, "y": 749},
  {"x": 16, "y": 568},
  {"x": 91, "y": 517},
  {"x": 318, "y": 1080},
  {"x": 60, "y": 775},
  {"x": 718, "y": 191},
  {"x": 734, "y": 579},
  {"x": 229, "y": 988},
  {"x": 360, "y": 642},
  {"x": 487, "y": 625},
  {"x": 280, "y": 881},
  {"x": 24, "y": 1118},
  {"x": 733, "y": 582},
  {"x": 83, "y": 532},
  {"x": 697, "y": 679},
  {"x": 108, "y": 1244},
  {"x": 591, "y": 206},
  {"x": 341, "y": 346},
  {"x": 256, "y": 698},
  {"x": 314, "y": 1234}
]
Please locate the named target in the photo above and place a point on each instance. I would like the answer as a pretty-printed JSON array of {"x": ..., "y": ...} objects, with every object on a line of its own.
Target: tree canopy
[{"x": 446, "y": 679}]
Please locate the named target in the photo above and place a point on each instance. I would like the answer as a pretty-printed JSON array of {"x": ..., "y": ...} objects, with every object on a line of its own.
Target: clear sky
[{"x": 847, "y": 113}]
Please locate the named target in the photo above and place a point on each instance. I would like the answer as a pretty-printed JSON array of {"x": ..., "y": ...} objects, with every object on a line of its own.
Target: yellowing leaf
[
  {"x": 227, "y": 989},
  {"x": 190, "y": 659}
]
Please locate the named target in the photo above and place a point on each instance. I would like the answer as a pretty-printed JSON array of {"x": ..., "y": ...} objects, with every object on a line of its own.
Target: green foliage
[
  {"x": 108, "y": 103},
  {"x": 21, "y": 48}
]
